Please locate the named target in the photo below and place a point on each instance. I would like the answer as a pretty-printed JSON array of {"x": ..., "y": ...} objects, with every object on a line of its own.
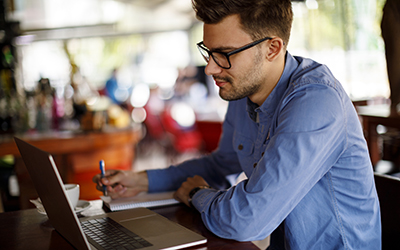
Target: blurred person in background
[
  {"x": 112, "y": 86},
  {"x": 390, "y": 26}
]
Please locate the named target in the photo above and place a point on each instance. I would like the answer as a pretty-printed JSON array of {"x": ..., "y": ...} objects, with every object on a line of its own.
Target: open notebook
[{"x": 141, "y": 200}]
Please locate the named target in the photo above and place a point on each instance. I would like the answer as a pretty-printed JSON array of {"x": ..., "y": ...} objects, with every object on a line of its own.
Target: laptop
[{"x": 149, "y": 229}]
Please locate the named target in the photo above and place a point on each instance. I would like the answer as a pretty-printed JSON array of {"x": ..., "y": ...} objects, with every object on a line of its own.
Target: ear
[{"x": 275, "y": 47}]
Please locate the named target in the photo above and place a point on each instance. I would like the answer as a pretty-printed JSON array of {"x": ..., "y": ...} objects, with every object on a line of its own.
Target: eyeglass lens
[{"x": 218, "y": 58}]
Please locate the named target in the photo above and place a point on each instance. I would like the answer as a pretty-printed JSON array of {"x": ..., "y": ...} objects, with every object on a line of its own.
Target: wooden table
[
  {"x": 77, "y": 156},
  {"x": 27, "y": 229},
  {"x": 371, "y": 117}
]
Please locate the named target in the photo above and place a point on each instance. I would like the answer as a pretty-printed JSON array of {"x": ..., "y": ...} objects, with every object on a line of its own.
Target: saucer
[{"x": 81, "y": 206}]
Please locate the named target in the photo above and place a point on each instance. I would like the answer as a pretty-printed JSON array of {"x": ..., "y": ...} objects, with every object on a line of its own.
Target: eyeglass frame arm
[{"x": 228, "y": 54}]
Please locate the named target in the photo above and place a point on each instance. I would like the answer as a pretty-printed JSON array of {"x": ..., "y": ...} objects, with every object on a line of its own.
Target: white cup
[{"x": 72, "y": 191}]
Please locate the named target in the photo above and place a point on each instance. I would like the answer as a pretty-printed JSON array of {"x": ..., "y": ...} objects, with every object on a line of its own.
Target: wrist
[
  {"x": 141, "y": 181},
  {"x": 194, "y": 191}
]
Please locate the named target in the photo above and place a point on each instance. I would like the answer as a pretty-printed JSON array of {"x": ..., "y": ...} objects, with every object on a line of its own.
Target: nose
[{"x": 212, "y": 68}]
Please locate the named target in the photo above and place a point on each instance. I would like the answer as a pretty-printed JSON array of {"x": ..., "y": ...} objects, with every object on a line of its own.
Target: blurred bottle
[
  {"x": 44, "y": 99},
  {"x": 6, "y": 99}
]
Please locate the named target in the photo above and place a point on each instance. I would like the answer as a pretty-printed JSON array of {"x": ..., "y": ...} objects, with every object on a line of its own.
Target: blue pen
[{"x": 103, "y": 174}]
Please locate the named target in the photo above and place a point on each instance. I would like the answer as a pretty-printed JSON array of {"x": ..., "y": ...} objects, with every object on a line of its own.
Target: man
[
  {"x": 290, "y": 127},
  {"x": 112, "y": 87}
]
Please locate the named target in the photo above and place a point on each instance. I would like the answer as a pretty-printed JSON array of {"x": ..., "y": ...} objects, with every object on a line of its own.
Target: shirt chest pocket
[{"x": 244, "y": 148}]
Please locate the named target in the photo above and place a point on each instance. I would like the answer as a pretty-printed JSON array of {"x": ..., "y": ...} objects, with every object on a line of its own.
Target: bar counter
[{"x": 77, "y": 155}]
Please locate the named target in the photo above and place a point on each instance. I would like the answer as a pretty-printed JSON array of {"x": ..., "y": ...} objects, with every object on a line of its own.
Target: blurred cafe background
[{"x": 122, "y": 80}]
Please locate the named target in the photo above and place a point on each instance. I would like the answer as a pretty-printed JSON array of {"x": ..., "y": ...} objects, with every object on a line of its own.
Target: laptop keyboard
[{"x": 105, "y": 233}]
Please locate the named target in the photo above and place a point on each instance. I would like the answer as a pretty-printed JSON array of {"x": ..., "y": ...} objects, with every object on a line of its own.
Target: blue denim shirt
[{"x": 309, "y": 173}]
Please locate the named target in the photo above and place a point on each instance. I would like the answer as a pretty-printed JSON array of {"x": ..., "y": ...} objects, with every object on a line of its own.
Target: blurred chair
[
  {"x": 388, "y": 189},
  {"x": 184, "y": 139}
]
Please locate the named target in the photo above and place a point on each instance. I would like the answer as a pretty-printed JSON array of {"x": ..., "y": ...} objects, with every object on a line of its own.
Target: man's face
[{"x": 246, "y": 76}]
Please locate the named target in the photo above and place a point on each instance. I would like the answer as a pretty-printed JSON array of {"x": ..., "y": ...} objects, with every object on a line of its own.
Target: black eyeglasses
[{"x": 222, "y": 58}]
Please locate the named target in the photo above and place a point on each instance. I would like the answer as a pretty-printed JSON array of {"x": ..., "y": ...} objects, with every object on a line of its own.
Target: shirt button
[
  {"x": 262, "y": 154},
  {"x": 255, "y": 164},
  {"x": 240, "y": 147}
]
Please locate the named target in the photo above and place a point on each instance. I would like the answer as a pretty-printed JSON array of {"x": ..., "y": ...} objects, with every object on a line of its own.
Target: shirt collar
[
  {"x": 267, "y": 109},
  {"x": 252, "y": 110}
]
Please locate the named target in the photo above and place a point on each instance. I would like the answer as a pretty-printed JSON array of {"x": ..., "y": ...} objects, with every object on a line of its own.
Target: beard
[
  {"x": 245, "y": 84},
  {"x": 237, "y": 91}
]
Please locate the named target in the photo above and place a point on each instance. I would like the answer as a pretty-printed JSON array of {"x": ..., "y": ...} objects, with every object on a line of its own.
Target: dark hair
[{"x": 259, "y": 18}]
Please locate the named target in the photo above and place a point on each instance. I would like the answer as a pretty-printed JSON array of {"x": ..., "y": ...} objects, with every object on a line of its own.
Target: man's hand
[
  {"x": 182, "y": 194},
  {"x": 122, "y": 183}
]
